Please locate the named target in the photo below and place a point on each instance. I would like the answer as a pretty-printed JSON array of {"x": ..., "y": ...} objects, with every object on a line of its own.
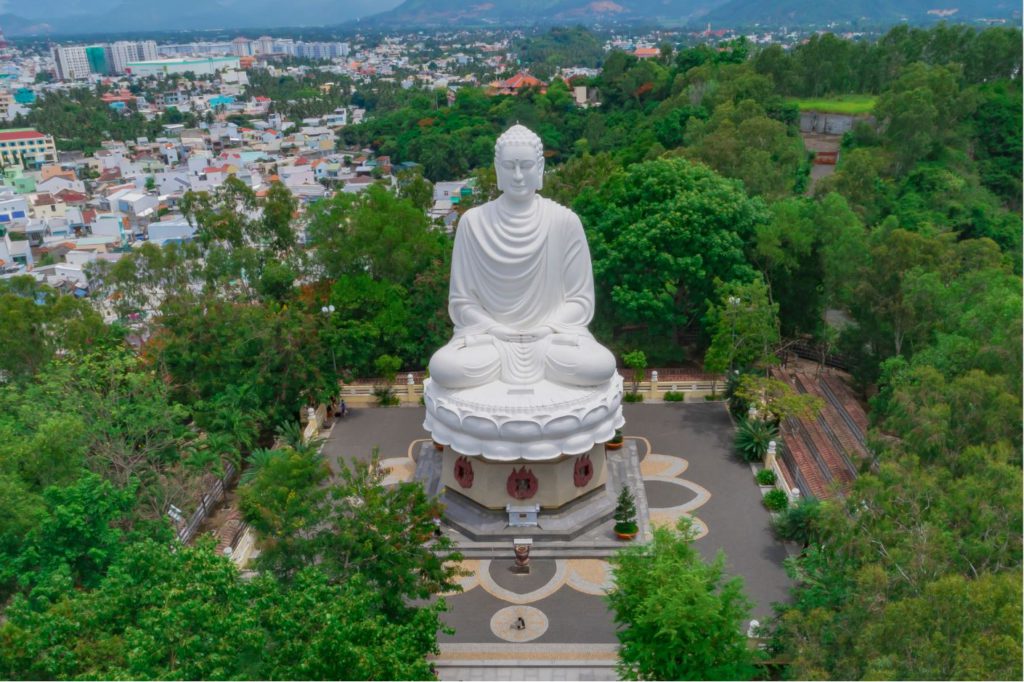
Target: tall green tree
[
  {"x": 353, "y": 525},
  {"x": 740, "y": 141},
  {"x": 680, "y": 618},
  {"x": 373, "y": 233},
  {"x": 37, "y": 323},
  {"x": 660, "y": 233},
  {"x": 744, "y": 327}
]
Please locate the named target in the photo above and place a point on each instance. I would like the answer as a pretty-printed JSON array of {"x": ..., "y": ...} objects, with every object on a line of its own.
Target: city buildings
[
  {"x": 26, "y": 147},
  {"x": 206, "y": 66},
  {"x": 125, "y": 52},
  {"x": 72, "y": 62},
  {"x": 100, "y": 58}
]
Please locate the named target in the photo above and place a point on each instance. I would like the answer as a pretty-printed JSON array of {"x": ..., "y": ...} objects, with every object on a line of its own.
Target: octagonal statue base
[
  {"x": 580, "y": 518},
  {"x": 550, "y": 484}
]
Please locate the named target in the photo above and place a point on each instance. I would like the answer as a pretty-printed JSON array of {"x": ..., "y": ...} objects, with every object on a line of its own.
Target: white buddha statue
[{"x": 522, "y": 286}]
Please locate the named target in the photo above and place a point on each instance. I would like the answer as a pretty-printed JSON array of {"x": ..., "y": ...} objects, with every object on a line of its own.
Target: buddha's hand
[
  {"x": 566, "y": 339},
  {"x": 506, "y": 333},
  {"x": 471, "y": 340}
]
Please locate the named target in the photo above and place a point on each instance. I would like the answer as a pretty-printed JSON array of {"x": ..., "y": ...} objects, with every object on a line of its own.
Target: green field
[{"x": 843, "y": 104}]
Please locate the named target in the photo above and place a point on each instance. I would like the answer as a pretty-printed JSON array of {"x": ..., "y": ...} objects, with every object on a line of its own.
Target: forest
[{"x": 692, "y": 183}]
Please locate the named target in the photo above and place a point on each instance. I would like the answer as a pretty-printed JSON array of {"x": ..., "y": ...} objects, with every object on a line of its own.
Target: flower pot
[
  {"x": 438, "y": 446},
  {"x": 612, "y": 446},
  {"x": 624, "y": 531}
]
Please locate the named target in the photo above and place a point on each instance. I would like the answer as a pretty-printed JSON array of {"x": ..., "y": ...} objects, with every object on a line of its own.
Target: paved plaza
[{"x": 553, "y": 623}]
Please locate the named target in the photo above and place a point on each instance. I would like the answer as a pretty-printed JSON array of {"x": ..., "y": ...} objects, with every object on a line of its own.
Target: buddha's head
[{"x": 519, "y": 162}]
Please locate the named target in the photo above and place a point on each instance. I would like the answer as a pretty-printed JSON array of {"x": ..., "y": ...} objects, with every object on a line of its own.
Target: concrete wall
[
  {"x": 361, "y": 395},
  {"x": 828, "y": 124}
]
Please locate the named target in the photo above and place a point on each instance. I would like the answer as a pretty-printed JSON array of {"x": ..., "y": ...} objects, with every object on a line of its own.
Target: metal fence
[{"x": 207, "y": 503}]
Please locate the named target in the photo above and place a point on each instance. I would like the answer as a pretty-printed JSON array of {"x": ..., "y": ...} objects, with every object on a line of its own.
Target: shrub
[
  {"x": 776, "y": 500},
  {"x": 766, "y": 477},
  {"x": 625, "y": 512},
  {"x": 385, "y": 396},
  {"x": 633, "y": 398},
  {"x": 737, "y": 405},
  {"x": 797, "y": 523},
  {"x": 752, "y": 438},
  {"x": 636, "y": 361},
  {"x": 674, "y": 396},
  {"x": 617, "y": 438}
]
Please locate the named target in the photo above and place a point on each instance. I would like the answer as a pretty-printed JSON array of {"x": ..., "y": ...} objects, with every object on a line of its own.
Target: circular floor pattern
[
  {"x": 663, "y": 465},
  {"x": 519, "y": 623},
  {"x": 469, "y": 579},
  {"x": 495, "y": 589},
  {"x": 397, "y": 470},
  {"x": 541, "y": 573},
  {"x": 590, "y": 576},
  {"x": 668, "y": 517},
  {"x": 664, "y": 495}
]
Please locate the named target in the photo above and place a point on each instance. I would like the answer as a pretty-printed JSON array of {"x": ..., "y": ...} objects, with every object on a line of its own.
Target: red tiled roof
[
  {"x": 644, "y": 52},
  {"x": 521, "y": 80},
  {"x": 70, "y": 196},
  {"x": 21, "y": 135}
]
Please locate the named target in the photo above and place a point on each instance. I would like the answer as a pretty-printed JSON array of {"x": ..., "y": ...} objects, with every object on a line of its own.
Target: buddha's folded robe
[{"x": 522, "y": 294}]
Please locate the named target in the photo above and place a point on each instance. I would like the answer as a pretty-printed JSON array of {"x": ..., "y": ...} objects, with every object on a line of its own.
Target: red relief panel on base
[
  {"x": 464, "y": 472},
  {"x": 582, "y": 471},
  {"x": 522, "y": 484}
]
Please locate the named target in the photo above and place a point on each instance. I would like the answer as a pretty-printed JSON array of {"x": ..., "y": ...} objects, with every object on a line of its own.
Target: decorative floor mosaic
[{"x": 670, "y": 497}]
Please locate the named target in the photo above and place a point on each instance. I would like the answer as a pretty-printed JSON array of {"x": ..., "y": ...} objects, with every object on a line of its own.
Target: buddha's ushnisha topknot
[{"x": 520, "y": 135}]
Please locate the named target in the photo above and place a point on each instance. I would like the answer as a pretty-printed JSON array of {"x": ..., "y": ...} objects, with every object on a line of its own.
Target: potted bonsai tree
[
  {"x": 625, "y": 515},
  {"x": 616, "y": 442}
]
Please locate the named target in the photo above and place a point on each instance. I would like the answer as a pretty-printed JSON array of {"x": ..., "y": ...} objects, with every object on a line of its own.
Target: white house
[
  {"x": 449, "y": 190},
  {"x": 57, "y": 183},
  {"x": 109, "y": 225},
  {"x": 12, "y": 207},
  {"x": 14, "y": 255},
  {"x": 133, "y": 203},
  {"x": 171, "y": 231}
]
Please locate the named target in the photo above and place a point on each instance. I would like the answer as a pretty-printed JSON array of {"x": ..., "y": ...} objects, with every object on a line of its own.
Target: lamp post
[
  {"x": 328, "y": 310},
  {"x": 734, "y": 302}
]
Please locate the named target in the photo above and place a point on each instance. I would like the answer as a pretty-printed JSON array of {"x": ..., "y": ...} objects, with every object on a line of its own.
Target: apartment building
[
  {"x": 72, "y": 62},
  {"x": 6, "y": 102},
  {"x": 25, "y": 147},
  {"x": 125, "y": 52}
]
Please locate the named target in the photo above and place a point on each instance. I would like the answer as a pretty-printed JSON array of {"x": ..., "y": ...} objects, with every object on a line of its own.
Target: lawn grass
[{"x": 841, "y": 104}]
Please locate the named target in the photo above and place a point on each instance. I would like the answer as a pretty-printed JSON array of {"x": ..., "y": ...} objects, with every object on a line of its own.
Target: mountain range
[
  {"x": 55, "y": 17},
  {"x": 21, "y": 17},
  {"x": 483, "y": 12}
]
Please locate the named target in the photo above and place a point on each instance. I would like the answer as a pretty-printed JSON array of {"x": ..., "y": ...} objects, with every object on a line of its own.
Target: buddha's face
[{"x": 520, "y": 173}]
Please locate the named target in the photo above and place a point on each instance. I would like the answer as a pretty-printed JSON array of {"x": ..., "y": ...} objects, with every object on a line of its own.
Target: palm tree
[
  {"x": 290, "y": 434},
  {"x": 258, "y": 459}
]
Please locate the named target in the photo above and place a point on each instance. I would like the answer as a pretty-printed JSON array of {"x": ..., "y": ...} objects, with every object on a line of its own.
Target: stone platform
[{"x": 581, "y": 517}]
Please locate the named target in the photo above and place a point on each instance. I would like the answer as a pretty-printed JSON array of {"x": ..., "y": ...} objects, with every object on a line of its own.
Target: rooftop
[{"x": 20, "y": 134}]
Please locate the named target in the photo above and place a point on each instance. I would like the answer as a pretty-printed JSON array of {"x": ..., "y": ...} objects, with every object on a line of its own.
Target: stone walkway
[{"x": 566, "y": 631}]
